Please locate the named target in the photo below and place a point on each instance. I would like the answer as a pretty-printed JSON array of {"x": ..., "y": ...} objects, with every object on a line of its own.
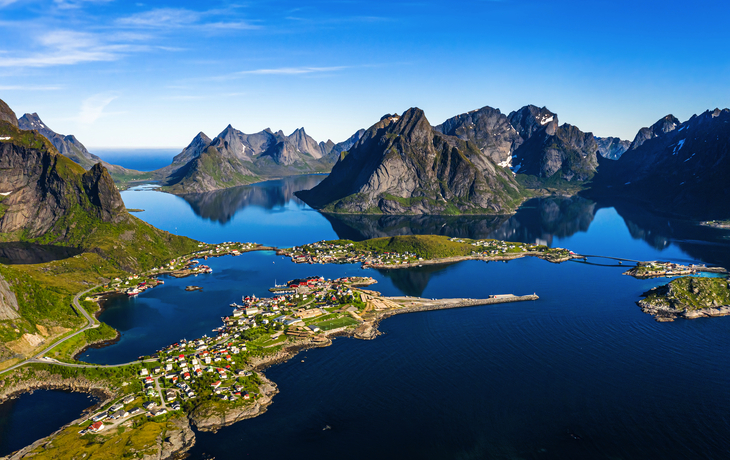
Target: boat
[{"x": 133, "y": 292}]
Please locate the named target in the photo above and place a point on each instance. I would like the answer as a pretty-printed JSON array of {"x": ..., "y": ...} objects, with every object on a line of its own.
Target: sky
[{"x": 134, "y": 74}]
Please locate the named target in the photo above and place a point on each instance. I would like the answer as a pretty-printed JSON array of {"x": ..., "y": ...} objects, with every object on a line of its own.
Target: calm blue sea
[
  {"x": 581, "y": 373},
  {"x": 143, "y": 159}
]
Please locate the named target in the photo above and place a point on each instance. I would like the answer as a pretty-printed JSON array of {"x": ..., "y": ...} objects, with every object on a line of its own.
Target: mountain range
[
  {"x": 662, "y": 166},
  {"x": 236, "y": 158},
  {"x": 675, "y": 167},
  {"x": 403, "y": 165}
]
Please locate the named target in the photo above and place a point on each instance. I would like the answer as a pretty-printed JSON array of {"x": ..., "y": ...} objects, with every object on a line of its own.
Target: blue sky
[{"x": 134, "y": 74}]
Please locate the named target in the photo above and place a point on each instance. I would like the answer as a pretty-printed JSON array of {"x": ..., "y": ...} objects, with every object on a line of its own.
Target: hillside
[
  {"x": 47, "y": 199},
  {"x": 402, "y": 165},
  {"x": 680, "y": 168}
]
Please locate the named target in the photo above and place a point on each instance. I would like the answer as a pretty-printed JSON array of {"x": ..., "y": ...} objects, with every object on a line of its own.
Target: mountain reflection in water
[
  {"x": 221, "y": 205},
  {"x": 537, "y": 221}
]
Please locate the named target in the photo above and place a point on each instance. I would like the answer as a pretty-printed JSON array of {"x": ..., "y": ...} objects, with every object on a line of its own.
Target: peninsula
[{"x": 215, "y": 381}]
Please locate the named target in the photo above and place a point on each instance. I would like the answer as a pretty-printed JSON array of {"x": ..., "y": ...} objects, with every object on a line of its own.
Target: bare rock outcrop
[{"x": 8, "y": 301}]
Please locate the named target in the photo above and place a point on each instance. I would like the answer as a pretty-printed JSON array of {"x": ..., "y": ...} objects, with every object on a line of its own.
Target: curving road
[{"x": 91, "y": 323}]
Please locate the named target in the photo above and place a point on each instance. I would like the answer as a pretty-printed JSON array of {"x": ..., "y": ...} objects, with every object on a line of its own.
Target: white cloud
[
  {"x": 92, "y": 108},
  {"x": 66, "y": 47},
  {"x": 290, "y": 70}
]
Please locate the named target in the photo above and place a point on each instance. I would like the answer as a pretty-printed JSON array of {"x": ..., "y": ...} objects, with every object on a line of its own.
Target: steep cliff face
[
  {"x": 681, "y": 168},
  {"x": 41, "y": 188},
  {"x": 8, "y": 301},
  {"x": 7, "y": 114},
  {"x": 489, "y": 129},
  {"x": 402, "y": 165}
]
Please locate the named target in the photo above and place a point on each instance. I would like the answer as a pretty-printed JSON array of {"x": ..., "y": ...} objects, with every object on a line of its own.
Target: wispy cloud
[
  {"x": 161, "y": 18},
  {"x": 66, "y": 47},
  {"x": 28, "y": 88},
  {"x": 7, "y": 2},
  {"x": 170, "y": 18},
  {"x": 290, "y": 70},
  {"x": 92, "y": 108},
  {"x": 66, "y": 4}
]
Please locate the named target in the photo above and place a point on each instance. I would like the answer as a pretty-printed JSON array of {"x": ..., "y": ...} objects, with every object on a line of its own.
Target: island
[
  {"x": 688, "y": 297},
  {"x": 417, "y": 250}
]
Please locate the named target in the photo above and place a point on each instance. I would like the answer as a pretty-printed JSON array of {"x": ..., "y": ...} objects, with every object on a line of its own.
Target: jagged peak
[{"x": 202, "y": 135}]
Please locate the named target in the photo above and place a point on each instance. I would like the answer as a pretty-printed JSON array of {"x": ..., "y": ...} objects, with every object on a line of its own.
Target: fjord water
[
  {"x": 32, "y": 416},
  {"x": 581, "y": 373}
]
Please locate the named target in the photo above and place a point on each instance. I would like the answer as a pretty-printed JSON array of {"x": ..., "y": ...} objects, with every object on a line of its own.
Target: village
[
  {"x": 217, "y": 368},
  {"x": 343, "y": 251}
]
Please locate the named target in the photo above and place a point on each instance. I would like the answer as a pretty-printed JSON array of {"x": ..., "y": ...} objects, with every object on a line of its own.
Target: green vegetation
[
  {"x": 425, "y": 246},
  {"x": 66, "y": 350},
  {"x": 336, "y": 323},
  {"x": 141, "y": 439},
  {"x": 691, "y": 293}
]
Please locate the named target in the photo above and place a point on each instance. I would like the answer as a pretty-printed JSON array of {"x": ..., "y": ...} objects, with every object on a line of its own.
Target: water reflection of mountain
[
  {"x": 222, "y": 205},
  {"x": 538, "y": 220},
  {"x": 710, "y": 245},
  {"x": 414, "y": 280},
  {"x": 27, "y": 253}
]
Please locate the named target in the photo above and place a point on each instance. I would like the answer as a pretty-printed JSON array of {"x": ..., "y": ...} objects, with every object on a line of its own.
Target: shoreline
[{"x": 457, "y": 259}]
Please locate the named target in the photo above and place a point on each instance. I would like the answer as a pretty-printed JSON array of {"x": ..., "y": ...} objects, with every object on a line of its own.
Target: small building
[
  {"x": 128, "y": 399},
  {"x": 144, "y": 372},
  {"x": 96, "y": 427}
]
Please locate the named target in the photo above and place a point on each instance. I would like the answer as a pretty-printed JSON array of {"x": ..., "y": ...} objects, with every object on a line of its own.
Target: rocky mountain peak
[
  {"x": 664, "y": 125},
  {"x": 402, "y": 165},
  {"x": 531, "y": 118},
  {"x": 7, "y": 114},
  {"x": 489, "y": 129}
]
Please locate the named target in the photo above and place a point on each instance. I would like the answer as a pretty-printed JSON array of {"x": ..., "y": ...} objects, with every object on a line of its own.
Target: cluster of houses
[
  {"x": 652, "y": 269},
  {"x": 192, "y": 369},
  {"x": 334, "y": 252}
]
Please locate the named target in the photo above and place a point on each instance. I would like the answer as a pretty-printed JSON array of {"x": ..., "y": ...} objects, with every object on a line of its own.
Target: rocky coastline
[
  {"x": 689, "y": 298},
  {"x": 667, "y": 313}
]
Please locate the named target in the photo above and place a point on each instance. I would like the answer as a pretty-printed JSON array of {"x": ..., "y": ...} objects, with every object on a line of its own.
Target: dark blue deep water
[
  {"x": 35, "y": 415},
  {"x": 514, "y": 381}
]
